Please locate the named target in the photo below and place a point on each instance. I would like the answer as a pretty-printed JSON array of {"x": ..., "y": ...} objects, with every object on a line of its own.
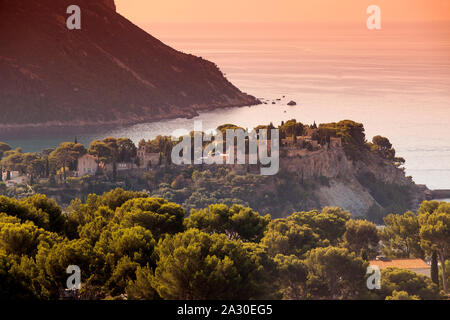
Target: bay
[{"x": 395, "y": 81}]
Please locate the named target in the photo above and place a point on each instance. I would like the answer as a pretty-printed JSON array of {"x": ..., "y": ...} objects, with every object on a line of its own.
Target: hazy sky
[{"x": 144, "y": 11}]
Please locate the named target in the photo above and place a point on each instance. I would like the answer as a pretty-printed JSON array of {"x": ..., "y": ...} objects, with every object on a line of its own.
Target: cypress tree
[
  {"x": 364, "y": 255},
  {"x": 434, "y": 268},
  {"x": 47, "y": 167}
]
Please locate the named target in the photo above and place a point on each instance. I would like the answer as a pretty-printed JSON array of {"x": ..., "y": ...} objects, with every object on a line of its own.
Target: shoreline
[
  {"x": 440, "y": 194},
  {"x": 67, "y": 127}
]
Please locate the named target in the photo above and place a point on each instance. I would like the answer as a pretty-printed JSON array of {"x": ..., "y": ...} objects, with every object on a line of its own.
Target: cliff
[
  {"x": 109, "y": 72},
  {"x": 370, "y": 186}
]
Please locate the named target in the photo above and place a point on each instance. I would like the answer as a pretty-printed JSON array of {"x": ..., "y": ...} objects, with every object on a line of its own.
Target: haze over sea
[{"x": 395, "y": 81}]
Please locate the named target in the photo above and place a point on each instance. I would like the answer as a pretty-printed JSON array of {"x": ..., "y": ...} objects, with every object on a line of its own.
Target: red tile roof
[{"x": 400, "y": 263}]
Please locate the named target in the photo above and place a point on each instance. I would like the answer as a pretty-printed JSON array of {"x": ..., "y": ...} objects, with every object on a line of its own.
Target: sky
[{"x": 238, "y": 11}]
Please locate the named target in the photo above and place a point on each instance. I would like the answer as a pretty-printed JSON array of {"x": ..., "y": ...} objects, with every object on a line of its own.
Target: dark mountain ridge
[{"x": 109, "y": 72}]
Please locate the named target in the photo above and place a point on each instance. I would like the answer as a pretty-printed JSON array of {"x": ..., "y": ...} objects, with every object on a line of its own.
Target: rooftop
[{"x": 400, "y": 263}]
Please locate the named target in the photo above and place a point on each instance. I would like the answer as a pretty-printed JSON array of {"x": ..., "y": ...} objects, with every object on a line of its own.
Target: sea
[{"x": 396, "y": 81}]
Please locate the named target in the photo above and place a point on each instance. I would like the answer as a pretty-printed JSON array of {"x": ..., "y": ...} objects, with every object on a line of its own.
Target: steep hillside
[
  {"x": 109, "y": 72},
  {"x": 370, "y": 186}
]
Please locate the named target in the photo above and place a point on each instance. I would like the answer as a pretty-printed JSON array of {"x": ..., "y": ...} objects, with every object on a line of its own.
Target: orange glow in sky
[{"x": 232, "y": 11}]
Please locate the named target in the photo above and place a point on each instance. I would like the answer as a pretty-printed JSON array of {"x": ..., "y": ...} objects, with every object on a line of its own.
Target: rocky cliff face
[
  {"x": 348, "y": 184},
  {"x": 109, "y": 72}
]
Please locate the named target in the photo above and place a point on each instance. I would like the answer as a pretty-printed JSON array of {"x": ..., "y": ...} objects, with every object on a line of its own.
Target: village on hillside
[
  {"x": 90, "y": 165},
  {"x": 145, "y": 158}
]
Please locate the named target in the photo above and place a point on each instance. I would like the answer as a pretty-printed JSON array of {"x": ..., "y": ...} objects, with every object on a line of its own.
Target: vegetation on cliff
[{"x": 312, "y": 177}]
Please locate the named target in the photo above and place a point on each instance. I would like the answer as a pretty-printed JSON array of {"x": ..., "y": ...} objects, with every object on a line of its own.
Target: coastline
[{"x": 59, "y": 126}]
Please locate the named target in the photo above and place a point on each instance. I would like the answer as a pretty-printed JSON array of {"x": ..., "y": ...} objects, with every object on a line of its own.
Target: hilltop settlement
[{"x": 320, "y": 165}]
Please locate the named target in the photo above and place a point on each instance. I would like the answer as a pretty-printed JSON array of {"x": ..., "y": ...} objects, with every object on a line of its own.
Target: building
[
  {"x": 147, "y": 159},
  {"x": 14, "y": 177},
  {"x": 121, "y": 166},
  {"x": 287, "y": 142},
  {"x": 303, "y": 141},
  {"x": 335, "y": 142},
  {"x": 300, "y": 142},
  {"x": 87, "y": 165},
  {"x": 310, "y": 131},
  {"x": 417, "y": 265}
]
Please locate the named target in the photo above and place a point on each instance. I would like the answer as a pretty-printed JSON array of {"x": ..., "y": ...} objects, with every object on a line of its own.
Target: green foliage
[
  {"x": 291, "y": 128},
  {"x": 285, "y": 236},
  {"x": 329, "y": 223},
  {"x": 66, "y": 154},
  {"x": 292, "y": 276},
  {"x": 21, "y": 238},
  {"x": 401, "y": 236},
  {"x": 136, "y": 242},
  {"x": 434, "y": 272},
  {"x": 46, "y": 206},
  {"x": 335, "y": 273},
  {"x": 162, "y": 145},
  {"x": 159, "y": 144},
  {"x": 14, "y": 285},
  {"x": 117, "y": 197},
  {"x": 40, "y": 210},
  {"x": 53, "y": 261},
  {"x": 360, "y": 237},
  {"x": 130, "y": 245},
  {"x": 79, "y": 213},
  {"x": 123, "y": 272},
  {"x": 112, "y": 150},
  {"x": 93, "y": 230},
  {"x": 126, "y": 150},
  {"x": 383, "y": 147},
  {"x": 3, "y": 148},
  {"x": 351, "y": 133},
  {"x": 155, "y": 214},
  {"x": 102, "y": 150},
  {"x": 394, "y": 279},
  {"x": 447, "y": 274},
  {"x": 391, "y": 197},
  {"x": 435, "y": 229},
  {"x": 195, "y": 265},
  {"x": 16, "y": 160},
  {"x": 236, "y": 222},
  {"x": 435, "y": 232},
  {"x": 402, "y": 295},
  {"x": 141, "y": 288},
  {"x": 4, "y": 218},
  {"x": 428, "y": 206}
]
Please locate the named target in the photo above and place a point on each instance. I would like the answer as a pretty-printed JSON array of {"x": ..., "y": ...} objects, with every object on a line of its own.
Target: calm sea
[{"x": 396, "y": 81}]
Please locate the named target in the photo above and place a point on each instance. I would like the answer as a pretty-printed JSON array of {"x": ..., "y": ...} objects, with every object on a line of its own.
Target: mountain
[{"x": 109, "y": 72}]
